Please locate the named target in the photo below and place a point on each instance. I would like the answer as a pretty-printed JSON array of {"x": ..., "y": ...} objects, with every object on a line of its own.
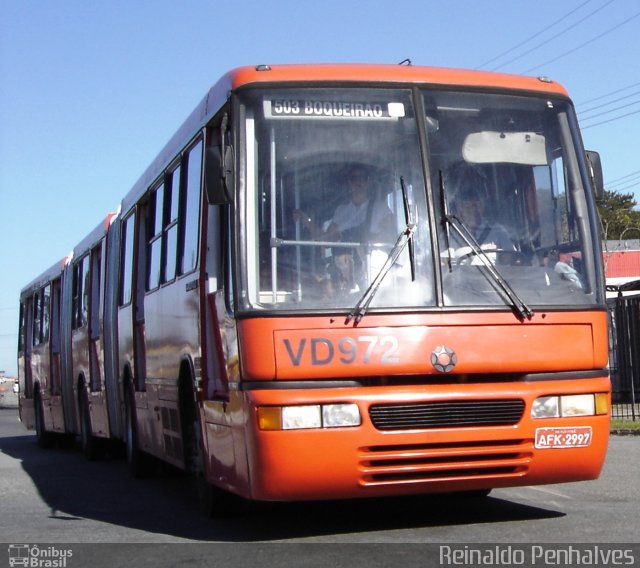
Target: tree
[{"x": 618, "y": 216}]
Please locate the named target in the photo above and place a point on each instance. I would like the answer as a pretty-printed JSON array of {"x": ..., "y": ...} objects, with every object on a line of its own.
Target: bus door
[
  {"x": 54, "y": 344},
  {"x": 138, "y": 294},
  {"x": 220, "y": 352},
  {"x": 220, "y": 326},
  {"x": 130, "y": 336},
  {"x": 40, "y": 337},
  {"x": 25, "y": 348},
  {"x": 112, "y": 294},
  {"x": 96, "y": 363},
  {"x": 39, "y": 354},
  {"x": 55, "y": 357},
  {"x": 28, "y": 347}
]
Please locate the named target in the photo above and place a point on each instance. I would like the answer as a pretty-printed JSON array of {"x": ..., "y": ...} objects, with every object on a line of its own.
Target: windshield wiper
[
  {"x": 444, "y": 208},
  {"x": 411, "y": 222},
  {"x": 405, "y": 238},
  {"x": 522, "y": 310}
]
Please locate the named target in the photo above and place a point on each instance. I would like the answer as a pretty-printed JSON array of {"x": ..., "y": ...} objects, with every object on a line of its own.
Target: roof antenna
[{"x": 406, "y": 61}]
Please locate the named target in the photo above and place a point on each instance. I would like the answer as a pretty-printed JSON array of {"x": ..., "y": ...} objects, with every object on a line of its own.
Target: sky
[{"x": 91, "y": 90}]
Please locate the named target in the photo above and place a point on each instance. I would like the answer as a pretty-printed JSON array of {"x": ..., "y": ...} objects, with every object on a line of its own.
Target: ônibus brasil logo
[{"x": 34, "y": 556}]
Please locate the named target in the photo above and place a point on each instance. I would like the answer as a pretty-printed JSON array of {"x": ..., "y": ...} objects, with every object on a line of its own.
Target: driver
[{"x": 469, "y": 186}]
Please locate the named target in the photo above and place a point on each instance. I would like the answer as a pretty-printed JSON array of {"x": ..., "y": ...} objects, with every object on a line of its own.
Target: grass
[{"x": 625, "y": 425}]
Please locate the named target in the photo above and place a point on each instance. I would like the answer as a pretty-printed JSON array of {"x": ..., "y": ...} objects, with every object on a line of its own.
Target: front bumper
[{"x": 366, "y": 461}]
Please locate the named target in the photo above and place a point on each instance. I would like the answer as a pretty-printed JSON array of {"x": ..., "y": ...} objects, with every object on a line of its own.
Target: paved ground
[
  {"x": 8, "y": 399},
  {"x": 57, "y": 497}
]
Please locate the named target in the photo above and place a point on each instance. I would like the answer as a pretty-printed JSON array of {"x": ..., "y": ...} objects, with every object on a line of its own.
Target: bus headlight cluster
[
  {"x": 308, "y": 416},
  {"x": 564, "y": 406}
]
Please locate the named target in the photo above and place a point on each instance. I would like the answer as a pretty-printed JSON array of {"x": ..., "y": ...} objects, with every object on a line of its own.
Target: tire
[
  {"x": 478, "y": 494},
  {"x": 216, "y": 503},
  {"x": 140, "y": 463},
  {"x": 91, "y": 446},
  {"x": 470, "y": 495},
  {"x": 45, "y": 439},
  {"x": 212, "y": 501}
]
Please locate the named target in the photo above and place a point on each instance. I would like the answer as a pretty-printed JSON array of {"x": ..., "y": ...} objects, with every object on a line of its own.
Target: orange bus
[{"x": 340, "y": 281}]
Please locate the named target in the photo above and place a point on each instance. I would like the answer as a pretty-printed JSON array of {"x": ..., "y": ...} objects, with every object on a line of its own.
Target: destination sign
[{"x": 350, "y": 110}]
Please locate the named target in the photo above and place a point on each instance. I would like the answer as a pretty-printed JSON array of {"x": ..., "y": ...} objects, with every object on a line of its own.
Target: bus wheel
[
  {"x": 471, "y": 495},
  {"x": 45, "y": 439},
  {"x": 477, "y": 494},
  {"x": 214, "y": 502},
  {"x": 89, "y": 444},
  {"x": 140, "y": 463}
]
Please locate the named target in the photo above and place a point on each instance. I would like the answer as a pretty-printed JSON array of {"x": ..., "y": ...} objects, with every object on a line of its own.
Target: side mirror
[
  {"x": 595, "y": 173},
  {"x": 218, "y": 175}
]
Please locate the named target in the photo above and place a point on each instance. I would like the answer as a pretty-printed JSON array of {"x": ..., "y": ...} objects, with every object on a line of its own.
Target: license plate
[{"x": 576, "y": 437}]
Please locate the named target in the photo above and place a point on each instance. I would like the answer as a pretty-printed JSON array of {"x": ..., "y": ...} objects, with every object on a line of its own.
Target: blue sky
[{"x": 91, "y": 90}]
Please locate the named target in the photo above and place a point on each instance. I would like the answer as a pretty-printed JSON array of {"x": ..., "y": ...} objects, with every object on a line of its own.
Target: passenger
[
  {"x": 358, "y": 220},
  {"x": 566, "y": 270}
]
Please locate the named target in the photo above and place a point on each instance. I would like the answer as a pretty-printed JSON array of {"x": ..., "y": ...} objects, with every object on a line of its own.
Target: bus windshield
[
  {"x": 335, "y": 178},
  {"x": 510, "y": 188},
  {"x": 325, "y": 199}
]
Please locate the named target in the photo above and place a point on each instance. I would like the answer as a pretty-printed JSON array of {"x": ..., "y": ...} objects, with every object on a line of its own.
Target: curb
[{"x": 625, "y": 432}]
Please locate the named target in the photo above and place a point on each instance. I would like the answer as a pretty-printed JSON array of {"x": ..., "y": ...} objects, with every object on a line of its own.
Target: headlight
[
  {"x": 339, "y": 415},
  {"x": 545, "y": 407},
  {"x": 298, "y": 417},
  {"x": 308, "y": 416},
  {"x": 565, "y": 406},
  {"x": 577, "y": 405}
]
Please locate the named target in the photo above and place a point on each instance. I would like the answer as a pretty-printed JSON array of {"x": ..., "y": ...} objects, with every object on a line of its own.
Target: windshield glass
[
  {"x": 504, "y": 170},
  {"x": 327, "y": 175}
]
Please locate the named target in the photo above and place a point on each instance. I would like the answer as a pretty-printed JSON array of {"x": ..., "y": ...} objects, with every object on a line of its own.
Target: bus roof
[
  {"x": 389, "y": 74},
  {"x": 94, "y": 237},
  {"x": 53, "y": 272},
  {"x": 327, "y": 73}
]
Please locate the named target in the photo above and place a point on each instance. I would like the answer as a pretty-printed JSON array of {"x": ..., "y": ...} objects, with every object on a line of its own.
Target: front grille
[
  {"x": 444, "y": 462},
  {"x": 446, "y": 414}
]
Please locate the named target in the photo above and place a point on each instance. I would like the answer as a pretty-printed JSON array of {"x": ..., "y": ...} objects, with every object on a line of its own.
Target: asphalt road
[{"x": 56, "y": 496}]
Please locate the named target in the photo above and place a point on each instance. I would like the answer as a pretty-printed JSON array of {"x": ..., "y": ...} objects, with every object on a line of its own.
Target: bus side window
[
  {"x": 170, "y": 229},
  {"x": 191, "y": 209},
  {"x": 154, "y": 255},
  {"x": 80, "y": 294},
  {"x": 21, "y": 330},
  {"x": 36, "y": 318},
  {"x": 41, "y": 315},
  {"x": 96, "y": 284},
  {"x": 126, "y": 272},
  {"x": 45, "y": 305}
]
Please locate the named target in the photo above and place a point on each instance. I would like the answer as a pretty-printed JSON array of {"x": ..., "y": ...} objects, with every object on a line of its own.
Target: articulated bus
[{"x": 340, "y": 281}]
